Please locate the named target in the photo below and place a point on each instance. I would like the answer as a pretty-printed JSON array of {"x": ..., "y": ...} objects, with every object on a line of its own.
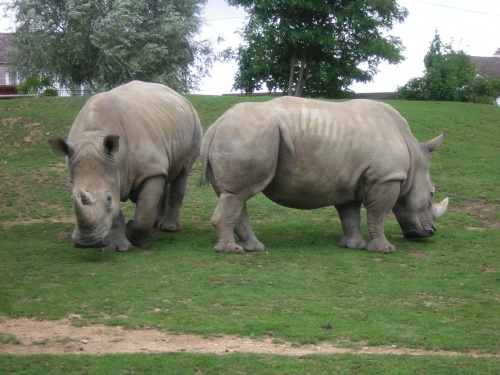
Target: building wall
[{"x": 6, "y": 78}]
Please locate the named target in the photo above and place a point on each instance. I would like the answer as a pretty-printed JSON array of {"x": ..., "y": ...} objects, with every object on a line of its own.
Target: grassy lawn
[
  {"x": 178, "y": 363},
  {"x": 440, "y": 293}
]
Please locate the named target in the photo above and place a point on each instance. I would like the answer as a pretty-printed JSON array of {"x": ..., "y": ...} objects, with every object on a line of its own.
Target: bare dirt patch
[
  {"x": 53, "y": 220},
  {"x": 481, "y": 211},
  {"x": 60, "y": 337}
]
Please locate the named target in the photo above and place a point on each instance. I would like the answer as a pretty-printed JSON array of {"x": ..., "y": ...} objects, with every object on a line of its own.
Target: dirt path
[{"x": 59, "y": 337}]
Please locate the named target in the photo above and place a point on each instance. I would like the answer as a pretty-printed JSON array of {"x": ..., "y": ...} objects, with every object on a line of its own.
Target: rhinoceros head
[
  {"x": 96, "y": 187},
  {"x": 416, "y": 210}
]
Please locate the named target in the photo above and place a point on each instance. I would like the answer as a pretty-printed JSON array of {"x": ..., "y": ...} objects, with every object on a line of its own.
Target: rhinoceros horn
[
  {"x": 87, "y": 198},
  {"x": 441, "y": 207},
  {"x": 84, "y": 215}
]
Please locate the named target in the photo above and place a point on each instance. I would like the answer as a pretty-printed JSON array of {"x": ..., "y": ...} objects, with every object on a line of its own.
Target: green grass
[
  {"x": 438, "y": 293},
  {"x": 176, "y": 363}
]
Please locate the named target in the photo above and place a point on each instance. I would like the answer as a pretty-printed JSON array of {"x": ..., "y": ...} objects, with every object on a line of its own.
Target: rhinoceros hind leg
[
  {"x": 350, "y": 218},
  {"x": 226, "y": 216},
  {"x": 169, "y": 217},
  {"x": 248, "y": 240},
  {"x": 170, "y": 225}
]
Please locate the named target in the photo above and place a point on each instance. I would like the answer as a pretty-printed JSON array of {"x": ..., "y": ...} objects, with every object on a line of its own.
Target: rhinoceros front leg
[
  {"x": 350, "y": 218},
  {"x": 119, "y": 241},
  {"x": 379, "y": 201},
  {"x": 147, "y": 203},
  {"x": 226, "y": 216},
  {"x": 169, "y": 217},
  {"x": 244, "y": 231}
]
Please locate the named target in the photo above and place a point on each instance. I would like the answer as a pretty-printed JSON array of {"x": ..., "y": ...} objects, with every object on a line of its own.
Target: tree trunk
[
  {"x": 292, "y": 74},
  {"x": 300, "y": 82},
  {"x": 305, "y": 67}
]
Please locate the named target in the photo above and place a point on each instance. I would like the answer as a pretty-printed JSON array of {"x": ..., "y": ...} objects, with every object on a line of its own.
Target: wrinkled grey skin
[
  {"x": 308, "y": 154},
  {"x": 138, "y": 142}
]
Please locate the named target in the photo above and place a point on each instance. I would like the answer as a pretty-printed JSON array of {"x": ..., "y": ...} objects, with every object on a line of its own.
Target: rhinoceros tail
[{"x": 205, "y": 148}]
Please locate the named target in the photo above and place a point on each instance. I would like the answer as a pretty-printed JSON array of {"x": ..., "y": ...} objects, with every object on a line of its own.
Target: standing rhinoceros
[
  {"x": 138, "y": 142},
  {"x": 308, "y": 154}
]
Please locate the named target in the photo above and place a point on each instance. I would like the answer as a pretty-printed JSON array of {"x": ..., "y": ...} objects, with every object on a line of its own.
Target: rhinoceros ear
[
  {"x": 435, "y": 143},
  {"x": 111, "y": 144},
  {"x": 60, "y": 147}
]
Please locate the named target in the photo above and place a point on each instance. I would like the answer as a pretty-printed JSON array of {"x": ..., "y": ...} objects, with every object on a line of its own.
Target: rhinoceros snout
[
  {"x": 85, "y": 244},
  {"x": 425, "y": 232}
]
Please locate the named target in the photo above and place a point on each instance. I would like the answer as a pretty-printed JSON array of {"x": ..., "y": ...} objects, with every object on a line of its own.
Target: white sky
[{"x": 473, "y": 26}]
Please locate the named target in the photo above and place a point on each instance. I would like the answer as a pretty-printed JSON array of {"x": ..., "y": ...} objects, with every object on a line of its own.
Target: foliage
[
  {"x": 105, "y": 43},
  {"x": 449, "y": 76},
  {"x": 315, "y": 48},
  {"x": 36, "y": 85},
  {"x": 484, "y": 90},
  {"x": 437, "y": 293},
  {"x": 50, "y": 92}
]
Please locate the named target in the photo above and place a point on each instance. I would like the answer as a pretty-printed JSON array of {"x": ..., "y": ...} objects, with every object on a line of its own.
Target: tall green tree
[
  {"x": 103, "y": 43},
  {"x": 449, "y": 76},
  {"x": 315, "y": 47}
]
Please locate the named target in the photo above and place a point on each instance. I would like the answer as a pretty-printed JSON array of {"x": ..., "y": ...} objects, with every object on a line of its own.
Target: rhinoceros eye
[{"x": 109, "y": 200}]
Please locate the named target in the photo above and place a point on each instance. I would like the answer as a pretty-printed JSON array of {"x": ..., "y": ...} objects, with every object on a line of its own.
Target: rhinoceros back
[{"x": 331, "y": 153}]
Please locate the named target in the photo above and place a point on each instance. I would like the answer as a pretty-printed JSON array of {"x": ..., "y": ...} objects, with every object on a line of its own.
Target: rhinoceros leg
[
  {"x": 244, "y": 231},
  {"x": 350, "y": 217},
  {"x": 170, "y": 216},
  {"x": 226, "y": 216},
  {"x": 378, "y": 202},
  {"x": 119, "y": 241},
  {"x": 147, "y": 203}
]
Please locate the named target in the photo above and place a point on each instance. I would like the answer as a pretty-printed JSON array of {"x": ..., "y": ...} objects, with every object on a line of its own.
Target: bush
[
  {"x": 449, "y": 76},
  {"x": 484, "y": 90},
  {"x": 36, "y": 85},
  {"x": 50, "y": 92}
]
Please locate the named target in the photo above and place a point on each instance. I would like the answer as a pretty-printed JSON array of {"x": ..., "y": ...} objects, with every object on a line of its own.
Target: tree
[
  {"x": 103, "y": 43},
  {"x": 449, "y": 76},
  {"x": 315, "y": 47}
]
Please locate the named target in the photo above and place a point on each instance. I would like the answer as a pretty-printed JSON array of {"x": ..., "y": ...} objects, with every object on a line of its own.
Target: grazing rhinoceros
[
  {"x": 308, "y": 154},
  {"x": 138, "y": 142}
]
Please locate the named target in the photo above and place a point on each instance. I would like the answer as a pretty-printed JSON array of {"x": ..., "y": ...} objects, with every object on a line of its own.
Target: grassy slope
[{"x": 438, "y": 293}]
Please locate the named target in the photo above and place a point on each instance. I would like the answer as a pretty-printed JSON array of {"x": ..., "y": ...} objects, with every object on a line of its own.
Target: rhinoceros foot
[
  {"x": 123, "y": 245},
  {"x": 228, "y": 248},
  {"x": 380, "y": 246},
  {"x": 170, "y": 224},
  {"x": 353, "y": 242},
  {"x": 252, "y": 246},
  {"x": 137, "y": 235}
]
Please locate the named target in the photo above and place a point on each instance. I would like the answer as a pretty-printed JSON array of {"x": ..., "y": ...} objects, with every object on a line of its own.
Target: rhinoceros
[
  {"x": 138, "y": 142},
  {"x": 307, "y": 154}
]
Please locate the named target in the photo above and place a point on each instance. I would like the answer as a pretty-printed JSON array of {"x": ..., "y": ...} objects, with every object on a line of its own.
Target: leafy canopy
[
  {"x": 449, "y": 76},
  {"x": 315, "y": 47},
  {"x": 104, "y": 43}
]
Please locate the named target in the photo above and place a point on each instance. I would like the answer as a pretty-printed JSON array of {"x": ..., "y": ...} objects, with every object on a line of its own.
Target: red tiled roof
[{"x": 487, "y": 66}]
